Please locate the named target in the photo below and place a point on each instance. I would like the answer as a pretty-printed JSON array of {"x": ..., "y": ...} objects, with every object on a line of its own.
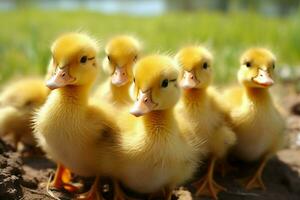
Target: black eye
[
  {"x": 109, "y": 58},
  {"x": 83, "y": 59},
  {"x": 135, "y": 58},
  {"x": 273, "y": 65},
  {"x": 205, "y": 65},
  {"x": 248, "y": 64},
  {"x": 165, "y": 83},
  {"x": 134, "y": 80}
]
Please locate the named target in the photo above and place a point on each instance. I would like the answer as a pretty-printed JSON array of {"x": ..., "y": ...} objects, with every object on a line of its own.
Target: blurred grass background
[{"x": 26, "y": 35}]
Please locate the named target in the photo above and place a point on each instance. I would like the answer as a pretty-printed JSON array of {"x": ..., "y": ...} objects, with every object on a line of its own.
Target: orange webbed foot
[
  {"x": 207, "y": 185},
  {"x": 57, "y": 182},
  {"x": 68, "y": 185},
  {"x": 256, "y": 181},
  {"x": 62, "y": 180}
]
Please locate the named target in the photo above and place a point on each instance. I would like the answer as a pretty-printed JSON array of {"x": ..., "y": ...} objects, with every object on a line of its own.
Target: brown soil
[{"x": 25, "y": 177}]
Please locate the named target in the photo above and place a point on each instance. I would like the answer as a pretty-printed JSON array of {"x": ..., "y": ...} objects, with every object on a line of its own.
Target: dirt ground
[{"x": 26, "y": 177}]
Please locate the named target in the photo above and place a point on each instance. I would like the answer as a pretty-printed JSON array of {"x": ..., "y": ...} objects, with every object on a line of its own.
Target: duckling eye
[
  {"x": 248, "y": 64},
  {"x": 109, "y": 58},
  {"x": 134, "y": 80},
  {"x": 165, "y": 83},
  {"x": 273, "y": 65},
  {"x": 205, "y": 65},
  {"x": 135, "y": 58},
  {"x": 83, "y": 59}
]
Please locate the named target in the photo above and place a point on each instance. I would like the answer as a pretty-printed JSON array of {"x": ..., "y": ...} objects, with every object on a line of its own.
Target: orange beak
[
  {"x": 263, "y": 78},
  {"x": 120, "y": 76},
  {"x": 188, "y": 80},
  {"x": 59, "y": 79},
  {"x": 143, "y": 104}
]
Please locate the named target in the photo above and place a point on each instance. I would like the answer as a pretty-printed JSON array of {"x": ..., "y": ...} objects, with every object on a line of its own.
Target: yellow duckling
[
  {"x": 256, "y": 121},
  {"x": 199, "y": 114},
  {"x": 158, "y": 157},
  {"x": 121, "y": 54},
  {"x": 18, "y": 101},
  {"x": 73, "y": 133}
]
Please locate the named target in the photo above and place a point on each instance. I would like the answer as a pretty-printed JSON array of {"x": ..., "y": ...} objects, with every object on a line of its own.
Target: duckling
[
  {"x": 257, "y": 122},
  {"x": 158, "y": 156},
  {"x": 121, "y": 53},
  {"x": 67, "y": 126},
  {"x": 18, "y": 101},
  {"x": 201, "y": 117}
]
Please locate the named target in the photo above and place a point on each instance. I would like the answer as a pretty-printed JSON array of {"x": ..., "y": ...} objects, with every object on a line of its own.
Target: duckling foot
[
  {"x": 57, "y": 182},
  {"x": 92, "y": 194},
  {"x": 256, "y": 181},
  {"x": 67, "y": 184},
  {"x": 207, "y": 186},
  {"x": 72, "y": 187},
  {"x": 62, "y": 180}
]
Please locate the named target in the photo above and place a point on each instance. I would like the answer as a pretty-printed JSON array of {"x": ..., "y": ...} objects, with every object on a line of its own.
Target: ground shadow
[{"x": 281, "y": 180}]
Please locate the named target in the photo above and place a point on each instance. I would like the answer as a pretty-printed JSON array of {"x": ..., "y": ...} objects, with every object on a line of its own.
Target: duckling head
[
  {"x": 121, "y": 54},
  {"x": 73, "y": 61},
  {"x": 195, "y": 67},
  {"x": 155, "y": 87},
  {"x": 257, "y": 68}
]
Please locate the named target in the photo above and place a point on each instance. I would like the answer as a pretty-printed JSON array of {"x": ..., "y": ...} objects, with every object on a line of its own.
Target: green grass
[{"x": 26, "y": 35}]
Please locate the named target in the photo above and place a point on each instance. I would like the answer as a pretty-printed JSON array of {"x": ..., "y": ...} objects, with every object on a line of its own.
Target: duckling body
[
  {"x": 86, "y": 132},
  {"x": 258, "y": 124},
  {"x": 200, "y": 114},
  {"x": 204, "y": 121},
  {"x": 158, "y": 156},
  {"x": 155, "y": 162},
  {"x": 121, "y": 54},
  {"x": 18, "y": 101}
]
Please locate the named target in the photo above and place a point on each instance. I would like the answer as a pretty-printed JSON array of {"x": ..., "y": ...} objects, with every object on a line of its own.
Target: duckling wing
[{"x": 102, "y": 117}]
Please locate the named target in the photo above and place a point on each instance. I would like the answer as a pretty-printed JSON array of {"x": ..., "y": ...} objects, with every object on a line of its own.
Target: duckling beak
[
  {"x": 119, "y": 77},
  {"x": 59, "y": 79},
  {"x": 143, "y": 104},
  {"x": 263, "y": 78},
  {"x": 188, "y": 80}
]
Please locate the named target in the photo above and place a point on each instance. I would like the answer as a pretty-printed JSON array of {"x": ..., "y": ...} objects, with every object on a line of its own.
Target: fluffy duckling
[
  {"x": 68, "y": 127},
  {"x": 158, "y": 156},
  {"x": 121, "y": 54},
  {"x": 18, "y": 101},
  {"x": 256, "y": 121},
  {"x": 199, "y": 114}
]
